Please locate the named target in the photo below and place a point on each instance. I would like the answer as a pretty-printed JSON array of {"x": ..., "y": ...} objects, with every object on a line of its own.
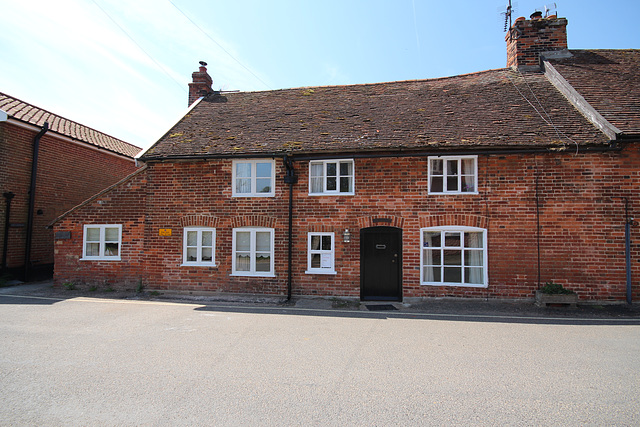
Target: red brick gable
[{"x": 497, "y": 108}]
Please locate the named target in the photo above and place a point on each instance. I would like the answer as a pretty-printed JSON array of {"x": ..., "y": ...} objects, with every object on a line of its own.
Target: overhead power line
[
  {"x": 219, "y": 45},
  {"x": 140, "y": 47}
]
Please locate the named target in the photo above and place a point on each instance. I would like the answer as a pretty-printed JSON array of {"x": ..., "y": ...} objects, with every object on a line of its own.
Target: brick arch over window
[
  {"x": 199, "y": 221},
  {"x": 317, "y": 228},
  {"x": 373, "y": 221},
  {"x": 253, "y": 221},
  {"x": 463, "y": 220}
]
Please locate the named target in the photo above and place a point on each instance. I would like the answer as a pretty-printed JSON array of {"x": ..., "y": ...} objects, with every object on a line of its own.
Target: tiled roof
[
  {"x": 28, "y": 113},
  {"x": 609, "y": 80},
  {"x": 496, "y": 108}
]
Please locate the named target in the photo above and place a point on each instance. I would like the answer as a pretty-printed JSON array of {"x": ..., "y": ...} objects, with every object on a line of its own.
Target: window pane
[
  {"x": 331, "y": 169},
  {"x": 452, "y": 183},
  {"x": 207, "y": 254},
  {"x": 453, "y": 274},
  {"x": 436, "y": 184},
  {"x": 331, "y": 184},
  {"x": 243, "y": 262},
  {"x": 192, "y": 238},
  {"x": 436, "y": 167},
  {"x": 263, "y": 185},
  {"x": 473, "y": 258},
  {"x": 468, "y": 183},
  {"x": 243, "y": 170},
  {"x": 452, "y": 239},
  {"x": 432, "y": 257},
  {"x": 326, "y": 243},
  {"x": 315, "y": 260},
  {"x": 316, "y": 185},
  {"x": 93, "y": 249},
  {"x": 263, "y": 262},
  {"x": 468, "y": 167},
  {"x": 452, "y": 167},
  {"x": 111, "y": 249},
  {"x": 432, "y": 239},
  {"x": 432, "y": 274},
  {"x": 452, "y": 257},
  {"x": 263, "y": 241},
  {"x": 315, "y": 243},
  {"x": 473, "y": 240},
  {"x": 345, "y": 185},
  {"x": 263, "y": 170},
  {"x": 243, "y": 185},
  {"x": 243, "y": 241},
  {"x": 473, "y": 275},
  {"x": 192, "y": 254},
  {"x": 207, "y": 238},
  {"x": 111, "y": 234},
  {"x": 317, "y": 169},
  {"x": 346, "y": 168},
  {"x": 93, "y": 234}
]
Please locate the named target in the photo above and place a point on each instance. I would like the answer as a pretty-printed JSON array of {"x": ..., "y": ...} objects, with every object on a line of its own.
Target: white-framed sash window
[
  {"x": 331, "y": 177},
  {"x": 453, "y": 174},
  {"x": 253, "y": 178},
  {"x": 102, "y": 242},
  {"x": 253, "y": 252},
  {"x": 321, "y": 253},
  {"x": 199, "y": 246},
  {"x": 453, "y": 256}
]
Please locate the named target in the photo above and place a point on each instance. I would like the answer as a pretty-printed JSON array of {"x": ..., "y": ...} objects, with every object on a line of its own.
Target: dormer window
[{"x": 453, "y": 174}]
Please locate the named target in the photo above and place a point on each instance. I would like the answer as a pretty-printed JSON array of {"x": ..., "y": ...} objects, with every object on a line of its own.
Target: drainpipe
[
  {"x": 7, "y": 215},
  {"x": 32, "y": 198},
  {"x": 290, "y": 178},
  {"x": 627, "y": 246}
]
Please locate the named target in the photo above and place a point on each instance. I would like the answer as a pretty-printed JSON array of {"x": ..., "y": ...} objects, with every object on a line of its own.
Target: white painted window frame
[
  {"x": 331, "y": 252},
  {"x": 253, "y": 163},
  {"x": 199, "y": 247},
  {"x": 102, "y": 243},
  {"x": 459, "y": 175},
  {"x": 252, "y": 252},
  {"x": 337, "y": 191},
  {"x": 462, "y": 229}
]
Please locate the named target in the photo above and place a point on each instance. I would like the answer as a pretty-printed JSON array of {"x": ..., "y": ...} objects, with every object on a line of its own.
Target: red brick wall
[
  {"x": 581, "y": 220},
  {"x": 67, "y": 175}
]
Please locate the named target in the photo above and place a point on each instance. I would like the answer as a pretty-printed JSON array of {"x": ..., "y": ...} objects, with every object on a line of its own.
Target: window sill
[
  {"x": 454, "y": 193},
  {"x": 253, "y": 195},
  {"x": 101, "y": 259},
  {"x": 327, "y": 272},
  {"x": 247, "y": 274},
  {"x": 332, "y": 194},
  {"x": 195, "y": 264},
  {"x": 456, "y": 285}
]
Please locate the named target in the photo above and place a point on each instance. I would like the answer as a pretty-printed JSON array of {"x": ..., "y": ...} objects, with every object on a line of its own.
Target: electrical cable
[{"x": 219, "y": 45}]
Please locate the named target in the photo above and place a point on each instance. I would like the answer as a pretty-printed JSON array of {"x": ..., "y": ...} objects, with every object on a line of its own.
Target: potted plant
[{"x": 555, "y": 293}]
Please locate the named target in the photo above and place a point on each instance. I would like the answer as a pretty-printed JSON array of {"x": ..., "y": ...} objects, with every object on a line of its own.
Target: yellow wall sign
[{"x": 165, "y": 232}]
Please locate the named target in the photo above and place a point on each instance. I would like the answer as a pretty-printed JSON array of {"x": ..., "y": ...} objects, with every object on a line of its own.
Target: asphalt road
[{"x": 90, "y": 361}]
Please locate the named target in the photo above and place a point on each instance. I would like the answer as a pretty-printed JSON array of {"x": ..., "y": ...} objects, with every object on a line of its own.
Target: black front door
[{"x": 381, "y": 263}]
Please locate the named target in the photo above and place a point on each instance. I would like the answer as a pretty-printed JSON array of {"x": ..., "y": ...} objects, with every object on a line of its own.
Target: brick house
[
  {"x": 480, "y": 185},
  {"x": 72, "y": 162}
]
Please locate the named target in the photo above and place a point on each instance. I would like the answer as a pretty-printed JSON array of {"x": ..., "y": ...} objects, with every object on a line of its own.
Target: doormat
[{"x": 380, "y": 307}]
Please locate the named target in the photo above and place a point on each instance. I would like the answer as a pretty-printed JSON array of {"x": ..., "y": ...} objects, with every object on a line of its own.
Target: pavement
[{"x": 469, "y": 308}]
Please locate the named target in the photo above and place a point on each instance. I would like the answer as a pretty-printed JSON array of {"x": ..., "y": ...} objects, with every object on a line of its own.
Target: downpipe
[{"x": 290, "y": 178}]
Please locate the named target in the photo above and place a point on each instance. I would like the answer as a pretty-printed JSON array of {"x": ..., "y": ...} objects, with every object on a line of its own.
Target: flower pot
[{"x": 544, "y": 300}]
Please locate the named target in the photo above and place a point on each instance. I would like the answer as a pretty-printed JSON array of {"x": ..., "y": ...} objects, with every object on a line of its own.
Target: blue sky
[{"x": 122, "y": 66}]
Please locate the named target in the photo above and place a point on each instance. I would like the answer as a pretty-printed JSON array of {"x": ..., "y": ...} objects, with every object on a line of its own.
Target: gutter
[{"x": 32, "y": 198}]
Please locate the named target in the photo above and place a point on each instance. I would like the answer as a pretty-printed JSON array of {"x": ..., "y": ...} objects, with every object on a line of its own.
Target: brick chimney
[
  {"x": 527, "y": 39},
  {"x": 201, "y": 85}
]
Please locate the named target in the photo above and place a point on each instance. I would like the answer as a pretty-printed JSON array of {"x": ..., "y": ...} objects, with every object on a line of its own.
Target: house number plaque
[{"x": 165, "y": 232}]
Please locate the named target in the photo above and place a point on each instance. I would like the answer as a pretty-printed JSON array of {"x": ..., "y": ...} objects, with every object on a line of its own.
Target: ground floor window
[
  {"x": 199, "y": 246},
  {"x": 102, "y": 242},
  {"x": 454, "y": 256},
  {"x": 253, "y": 252},
  {"x": 321, "y": 253}
]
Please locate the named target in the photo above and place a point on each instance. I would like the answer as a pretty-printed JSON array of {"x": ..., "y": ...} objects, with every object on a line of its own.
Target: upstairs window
[
  {"x": 253, "y": 178},
  {"x": 102, "y": 242},
  {"x": 454, "y": 256},
  {"x": 199, "y": 246},
  {"x": 331, "y": 177},
  {"x": 449, "y": 174}
]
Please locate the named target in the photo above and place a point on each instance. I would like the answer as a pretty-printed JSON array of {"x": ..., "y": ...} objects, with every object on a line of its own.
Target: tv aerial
[
  {"x": 548, "y": 8},
  {"x": 508, "y": 16}
]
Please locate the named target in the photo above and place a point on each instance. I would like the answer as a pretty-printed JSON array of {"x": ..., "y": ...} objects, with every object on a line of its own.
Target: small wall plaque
[
  {"x": 165, "y": 232},
  {"x": 63, "y": 235}
]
